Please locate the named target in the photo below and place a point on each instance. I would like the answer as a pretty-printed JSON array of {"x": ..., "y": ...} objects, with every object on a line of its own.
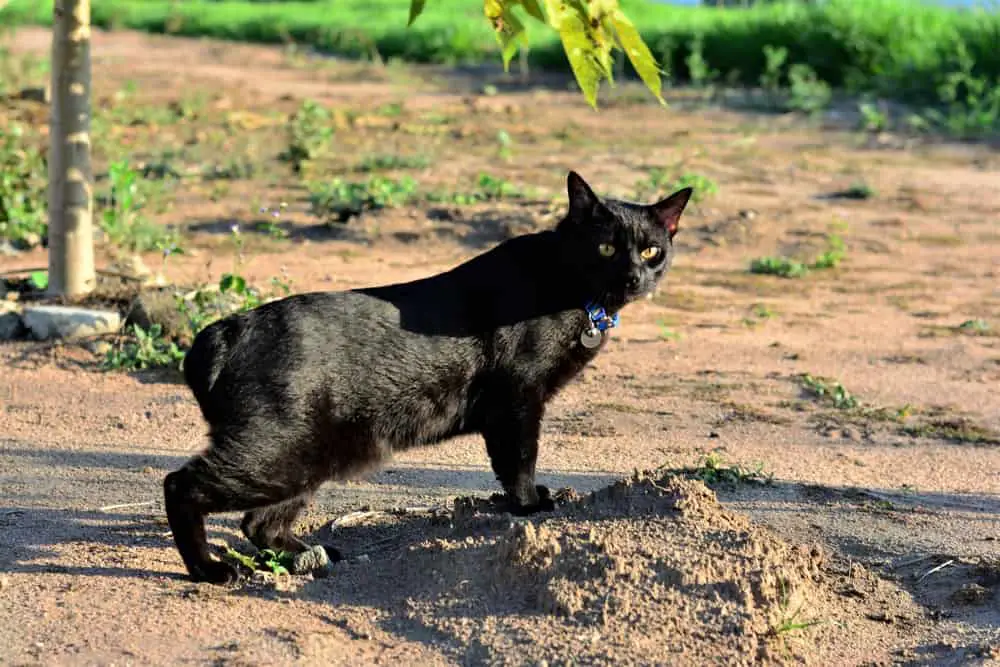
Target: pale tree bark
[{"x": 71, "y": 236}]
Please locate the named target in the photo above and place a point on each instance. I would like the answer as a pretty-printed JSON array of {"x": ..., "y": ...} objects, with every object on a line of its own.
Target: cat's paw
[
  {"x": 543, "y": 503},
  {"x": 216, "y": 572}
]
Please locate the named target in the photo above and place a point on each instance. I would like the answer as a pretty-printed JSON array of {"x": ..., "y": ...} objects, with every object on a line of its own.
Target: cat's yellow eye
[
  {"x": 606, "y": 249},
  {"x": 650, "y": 252}
]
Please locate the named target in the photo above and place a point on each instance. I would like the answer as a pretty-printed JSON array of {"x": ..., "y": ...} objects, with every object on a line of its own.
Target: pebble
[{"x": 315, "y": 560}]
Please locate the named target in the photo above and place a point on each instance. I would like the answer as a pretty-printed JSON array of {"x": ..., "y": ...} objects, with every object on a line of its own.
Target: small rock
[
  {"x": 11, "y": 326},
  {"x": 30, "y": 240},
  {"x": 38, "y": 94},
  {"x": 363, "y": 558},
  {"x": 47, "y": 322},
  {"x": 850, "y": 434},
  {"x": 971, "y": 594},
  {"x": 314, "y": 560},
  {"x": 132, "y": 266},
  {"x": 157, "y": 307},
  {"x": 100, "y": 347}
]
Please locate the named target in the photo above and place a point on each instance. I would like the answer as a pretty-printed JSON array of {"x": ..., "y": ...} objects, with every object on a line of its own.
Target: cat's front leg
[{"x": 512, "y": 444}]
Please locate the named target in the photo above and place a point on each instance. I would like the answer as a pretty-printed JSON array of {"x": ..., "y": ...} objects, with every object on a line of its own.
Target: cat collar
[{"x": 600, "y": 322}]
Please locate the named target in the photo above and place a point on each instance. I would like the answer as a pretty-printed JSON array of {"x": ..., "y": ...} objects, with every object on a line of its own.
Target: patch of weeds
[
  {"x": 157, "y": 348},
  {"x": 976, "y": 327},
  {"x": 391, "y": 110},
  {"x": 714, "y": 472},
  {"x": 972, "y": 102},
  {"x": 385, "y": 162},
  {"x": 660, "y": 182},
  {"x": 873, "y": 119},
  {"x": 142, "y": 350},
  {"x": 699, "y": 71},
  {"x": 268, "y": 560},
  {"x": 973, "y": 327},
  {"x": 834, "y": 254},
  {"x": 23, "y": 195},
  {"x": 787, "y": 267},
  {"x": 759, "y": 312},
  {"x": 19, "y": 70},
  {"x": 233, "y": 169},
  {"x": 770, "y": 78},
  {"x": 956, "y": 429},
  {"x": 743, "y": 412},
  {"x": 807, "y": 92},
  {"x": 829, "y": 391},
  {"x": 488, "y": 188},
  {"x": 666, "y": 333},
  {"x": 778, "y": 266},
  {"x": 310, "y": 130},
  {"x": 505, "y": 146},
  {"x": 122, "y": 221},
  {"x": 859, "y": 190},
  {"x": 339, "y": 200},
  {"x": 789, "y": 622}
]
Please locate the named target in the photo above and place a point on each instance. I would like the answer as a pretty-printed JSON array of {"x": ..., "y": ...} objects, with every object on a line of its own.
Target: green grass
[
  {"x": 714, "y": 472},
  {"x": 829, "y": 391},
  {"x": 901, "y": 48}
]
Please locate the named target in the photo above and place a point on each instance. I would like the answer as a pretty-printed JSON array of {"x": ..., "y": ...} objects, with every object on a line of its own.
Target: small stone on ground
[{"x": 46, "y": 322}]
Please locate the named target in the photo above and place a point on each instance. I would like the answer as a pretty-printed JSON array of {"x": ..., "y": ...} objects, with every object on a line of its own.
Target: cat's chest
[{"x": 557, "y": 349}]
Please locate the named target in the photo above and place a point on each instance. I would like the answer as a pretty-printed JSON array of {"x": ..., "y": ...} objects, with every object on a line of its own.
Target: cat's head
[{"x": 620, "y": 249}]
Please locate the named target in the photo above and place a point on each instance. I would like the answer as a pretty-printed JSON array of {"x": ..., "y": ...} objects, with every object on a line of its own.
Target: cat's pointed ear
[
  {"x": 582, "y": 200},
  {"x": 667, "y": 212}
]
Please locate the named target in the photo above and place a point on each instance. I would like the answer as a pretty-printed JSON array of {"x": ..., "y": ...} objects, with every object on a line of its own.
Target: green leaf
[
  {"x": 581, "y": 45},
  {"x": 232, "y": 283},
  {"x": 416, "y": 8},
  {"x": 508, "y": 28},
  {"x": 638, "y": 53},
  {"x": 534, "y": 9},
  {"x": 39, "y": 280}
]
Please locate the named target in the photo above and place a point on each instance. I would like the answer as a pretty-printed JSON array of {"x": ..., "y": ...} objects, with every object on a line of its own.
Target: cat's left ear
[{"x": 667, "y": 212}]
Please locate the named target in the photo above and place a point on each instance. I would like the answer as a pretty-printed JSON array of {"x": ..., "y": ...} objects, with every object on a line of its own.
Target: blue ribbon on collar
[{"x": 599, "y": 317}]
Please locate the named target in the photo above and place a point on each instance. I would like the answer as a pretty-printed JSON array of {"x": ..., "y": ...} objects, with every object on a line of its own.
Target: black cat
[{"x": 319, "y": 386}]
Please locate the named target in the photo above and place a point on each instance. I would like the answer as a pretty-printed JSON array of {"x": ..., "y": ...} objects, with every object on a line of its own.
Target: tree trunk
[{"x": 71, "y": 236}]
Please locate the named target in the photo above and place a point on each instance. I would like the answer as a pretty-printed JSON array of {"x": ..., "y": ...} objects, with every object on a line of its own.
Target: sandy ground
[{"x": 874, "y": 542}]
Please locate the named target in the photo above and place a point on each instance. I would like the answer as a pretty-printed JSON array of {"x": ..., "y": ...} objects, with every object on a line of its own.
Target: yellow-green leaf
[
  {"x": 416, "y": 7},
  {"x": 508, "y": 28},
  {"x": 534, "y": 9},
  {"x": 583, "y": 59},
  {"x": 638, "y": 53}
]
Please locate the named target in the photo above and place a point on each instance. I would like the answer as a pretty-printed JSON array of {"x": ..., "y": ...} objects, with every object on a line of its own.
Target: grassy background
[{"x": 899, "y": 48}]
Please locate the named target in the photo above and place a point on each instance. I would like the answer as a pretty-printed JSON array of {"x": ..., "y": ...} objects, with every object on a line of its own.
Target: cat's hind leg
[
  {"x": 224, "y": 480},
  {"x": 189, "y": 494},
  {"x": 271, "y": 527}
]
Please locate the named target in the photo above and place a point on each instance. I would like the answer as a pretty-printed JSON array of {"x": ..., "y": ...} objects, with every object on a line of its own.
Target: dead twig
[
  {"x": 940, "y": 567},
  {"x": 144, "y": 503}
]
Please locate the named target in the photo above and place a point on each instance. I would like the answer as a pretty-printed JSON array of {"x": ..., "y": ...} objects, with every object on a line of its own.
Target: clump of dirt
[{"x": 649, "y": 568}]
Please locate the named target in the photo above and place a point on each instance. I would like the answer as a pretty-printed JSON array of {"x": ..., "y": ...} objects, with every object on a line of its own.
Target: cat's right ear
[{"x": 582, "y": 200}]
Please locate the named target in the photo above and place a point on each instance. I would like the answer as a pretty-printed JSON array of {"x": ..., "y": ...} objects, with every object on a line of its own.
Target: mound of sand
[{"x": 651, "y": 570}]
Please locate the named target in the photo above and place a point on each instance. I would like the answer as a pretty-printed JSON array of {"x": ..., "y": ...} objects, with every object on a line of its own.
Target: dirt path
[{"x": 889, "y": 490}]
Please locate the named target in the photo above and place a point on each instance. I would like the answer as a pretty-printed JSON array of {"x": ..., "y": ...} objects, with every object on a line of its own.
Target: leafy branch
[{"x": 588, "y": 29}]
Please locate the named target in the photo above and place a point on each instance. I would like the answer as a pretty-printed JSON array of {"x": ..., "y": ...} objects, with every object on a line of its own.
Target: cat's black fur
[{"x": 319, "y": 386}]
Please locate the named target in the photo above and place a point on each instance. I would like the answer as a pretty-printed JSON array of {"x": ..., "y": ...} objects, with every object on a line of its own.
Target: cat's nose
[{"x": 632, "y": 282}]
